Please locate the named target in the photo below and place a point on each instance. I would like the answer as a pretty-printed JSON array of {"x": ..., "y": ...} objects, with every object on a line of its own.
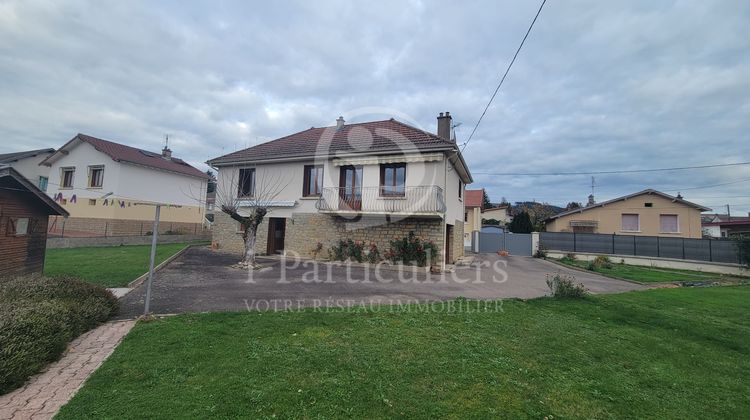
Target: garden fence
[{"x": 714, "y": 250}]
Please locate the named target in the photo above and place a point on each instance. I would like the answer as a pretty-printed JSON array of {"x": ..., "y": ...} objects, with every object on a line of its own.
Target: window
[
  {"x": 18, "y": 226},
  {"x": 648, "y": 204},
  {"x": 631, "y": 223},
  {"x": 66, "y": 177},
  {"x": 393, "y": 179},
  {"x": 96, "y": 176},
  {"x": 466, "y": 216},
  {"x": 92, "y": 202},
  {"x": 246, "y": 184},
  {"x": 460, "y": 188},
  {"x": 313, "y": 181},
  {"x": 43, "y": 180},
  {"x": 669, "y": 223}
]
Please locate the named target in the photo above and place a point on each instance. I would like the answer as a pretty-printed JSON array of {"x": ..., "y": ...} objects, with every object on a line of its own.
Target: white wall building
[
  {"x": 102, "y": 182},
  {"x": 373, "y": 182},
  {"x": 27, "y": 164}
]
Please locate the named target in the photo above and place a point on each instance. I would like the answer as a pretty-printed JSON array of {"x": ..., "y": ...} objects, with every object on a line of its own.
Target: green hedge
[{"x": 39, "y": 316}]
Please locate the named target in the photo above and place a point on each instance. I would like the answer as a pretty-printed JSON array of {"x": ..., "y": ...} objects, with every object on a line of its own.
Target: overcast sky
[{"x": 599, "y": 85}]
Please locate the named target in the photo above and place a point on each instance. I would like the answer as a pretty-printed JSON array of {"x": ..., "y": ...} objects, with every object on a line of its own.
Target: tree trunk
[{"x": 250, "y": 236}]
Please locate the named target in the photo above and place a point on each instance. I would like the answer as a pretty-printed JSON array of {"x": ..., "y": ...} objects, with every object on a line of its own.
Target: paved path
[
  {"x": 45, "y": 393},
  {"x": 202, "y": 280}
]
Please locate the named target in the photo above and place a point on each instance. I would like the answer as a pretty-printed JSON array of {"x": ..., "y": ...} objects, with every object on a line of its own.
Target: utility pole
[{"x": 729, "y": 215}]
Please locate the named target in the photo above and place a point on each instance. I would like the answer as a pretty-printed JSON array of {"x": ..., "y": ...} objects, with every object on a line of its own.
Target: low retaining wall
[
  {"x": 122, "y": 240},
  {"x": 708, "y": 267}
]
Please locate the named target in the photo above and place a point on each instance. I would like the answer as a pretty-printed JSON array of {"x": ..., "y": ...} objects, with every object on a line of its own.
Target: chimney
[
  {"x": 591, "y": 200},
  {"x": 444, "y": 125},
  {"x": 339, "y": 122},
  {"x": 166, "y": 153},
  {"x": 679, "y": 196}
]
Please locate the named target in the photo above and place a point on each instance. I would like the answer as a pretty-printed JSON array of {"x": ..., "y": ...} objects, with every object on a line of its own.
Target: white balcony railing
[{"x": 403, "y": 200}]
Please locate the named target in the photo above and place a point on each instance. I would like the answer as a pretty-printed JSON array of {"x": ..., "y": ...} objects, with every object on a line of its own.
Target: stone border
[
  {"x": 137, "y": 282},
  {"x": 660, "y": 262}
]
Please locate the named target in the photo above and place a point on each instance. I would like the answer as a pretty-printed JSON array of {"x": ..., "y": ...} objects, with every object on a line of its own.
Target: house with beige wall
[
  {"x": 111, "y": 186},
  {"x": 472, "y": 214},
  {"x": 645, "y": 213},
  {"x": 371, "y": 182},
  {"x": 499, "y": 213}
]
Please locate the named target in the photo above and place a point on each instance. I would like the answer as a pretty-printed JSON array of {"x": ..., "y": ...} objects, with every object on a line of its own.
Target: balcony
[{"x": 423, "y": 200}]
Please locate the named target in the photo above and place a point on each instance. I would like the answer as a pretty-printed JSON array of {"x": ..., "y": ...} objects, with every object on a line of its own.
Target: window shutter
[{"x": 668, "y": 223}]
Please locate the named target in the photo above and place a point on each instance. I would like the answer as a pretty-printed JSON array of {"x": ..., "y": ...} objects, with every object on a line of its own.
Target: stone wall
[
  {"x": 122, "y": 240},
  {"x": 226, "y": 233},
  {"x": 458, "y": 239},
  {"x": 305, "y": 230},
  {"x": 94, "y": 227}
]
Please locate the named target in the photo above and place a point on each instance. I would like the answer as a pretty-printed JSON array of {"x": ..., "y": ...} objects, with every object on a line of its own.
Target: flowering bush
[
  {"x": 347, "y": 249},
  {"x": 563, "y": 286},
  {"x": 412, "y": 250}
]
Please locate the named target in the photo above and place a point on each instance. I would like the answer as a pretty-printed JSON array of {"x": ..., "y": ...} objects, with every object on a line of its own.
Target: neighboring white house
[
  {"x": 372, "y": 182},
  {"x": 27, "y": 164},
  {"x": 107, "y": 185}
]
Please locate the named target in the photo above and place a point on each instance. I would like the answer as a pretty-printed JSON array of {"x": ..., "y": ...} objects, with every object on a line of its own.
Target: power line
[
  {"x": 625, "y": 171},
  {"x": 504, "y": 76}
]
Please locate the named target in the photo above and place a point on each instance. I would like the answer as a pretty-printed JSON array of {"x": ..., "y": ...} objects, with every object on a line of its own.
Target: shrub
[
  {"x": 412, "y": 250},
  {"x": 39, "y": 316},
  {"x": 347, "y": 249},
  {"x": 563, "y": 286},
  {"x": 568, "y": 258},
  {"x": 540, "y": 253},
  {"x": 601, "y": 261},
  {"x": 373, "y": 254}
]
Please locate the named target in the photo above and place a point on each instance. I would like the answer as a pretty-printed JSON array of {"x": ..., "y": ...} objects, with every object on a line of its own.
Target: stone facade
[
  {"x": 458, "y": 239},
  {"x": 305, "y": 230}
]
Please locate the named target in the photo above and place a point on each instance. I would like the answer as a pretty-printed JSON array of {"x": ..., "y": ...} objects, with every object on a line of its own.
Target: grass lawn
[
  {"x": 666, "y": 353},
  {"x": 644, "y": 274},
  {"x": 114, "y": 266}
]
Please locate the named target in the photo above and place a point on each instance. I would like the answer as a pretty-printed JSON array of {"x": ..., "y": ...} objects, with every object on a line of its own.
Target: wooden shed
[{"x": 24, "y": 210}]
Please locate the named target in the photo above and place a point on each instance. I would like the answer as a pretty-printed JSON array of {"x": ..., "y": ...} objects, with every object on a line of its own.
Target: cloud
[{"x": 598, "y": 86}]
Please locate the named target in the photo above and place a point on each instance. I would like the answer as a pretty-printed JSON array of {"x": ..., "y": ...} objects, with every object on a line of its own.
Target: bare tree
[{"x": 247, "y": 198}]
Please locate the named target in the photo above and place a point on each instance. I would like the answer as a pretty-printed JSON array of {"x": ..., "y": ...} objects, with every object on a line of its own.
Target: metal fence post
[
  {"x": 658, "y": 247},
  {"x": 683, "y": 248},
  {"x": 634, "y": 247},
  {"x": 710, "y": 251},
  {"x": 106, "y": 225},
  {"x": 613, "y": 243},
  {"x": 62, "y": 233},
  {"x": 575, "y": 248}
]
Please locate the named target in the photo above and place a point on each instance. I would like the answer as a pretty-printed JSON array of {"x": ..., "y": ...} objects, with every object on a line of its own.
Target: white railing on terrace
[{"x": 406, "y": 200}]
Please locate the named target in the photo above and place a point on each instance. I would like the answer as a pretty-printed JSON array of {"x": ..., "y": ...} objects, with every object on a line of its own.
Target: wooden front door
[
  {"x": 350, "y": 188},
  {"x": 276, "y": 231}
]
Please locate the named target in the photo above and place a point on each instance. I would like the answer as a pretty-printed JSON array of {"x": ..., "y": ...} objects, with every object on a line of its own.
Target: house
[
  {"x": 372, "y": 182},
  {"x": 725, "y": 226},
  {"x": 110, "y": 187},
  {"x": 472, "y": 214},
  {"x": 645, "y": 213},
  {"x": 499, "y": 213},
  {"x": 24, "y": 210},
  {"x": 27, "y": 164}
]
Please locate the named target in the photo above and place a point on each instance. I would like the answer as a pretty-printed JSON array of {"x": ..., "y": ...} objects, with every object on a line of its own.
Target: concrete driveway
[{"x": 201, "y": 280}]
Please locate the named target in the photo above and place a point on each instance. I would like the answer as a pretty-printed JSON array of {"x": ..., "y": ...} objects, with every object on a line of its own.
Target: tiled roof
[
  {"x": 122, "y": 153},
  {"x": 374, "y": 136},
  {"x": 629, "y": 196},
  {"x": 474, "y": 198},
  {"x": 10, "y": 157}
]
